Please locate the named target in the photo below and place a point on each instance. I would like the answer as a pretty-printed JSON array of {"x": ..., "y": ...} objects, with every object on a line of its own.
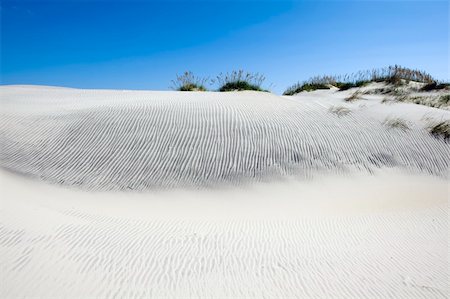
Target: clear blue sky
[{"x": 143, "y": 44}]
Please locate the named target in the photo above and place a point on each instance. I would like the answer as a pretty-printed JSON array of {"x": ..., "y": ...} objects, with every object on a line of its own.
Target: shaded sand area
[{"x": 135, "y": 194}]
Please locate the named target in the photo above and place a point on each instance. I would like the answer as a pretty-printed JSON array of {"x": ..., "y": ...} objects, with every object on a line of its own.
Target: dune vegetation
[
  {"x": 237, "y": 80},
  {"x": 339, "y": 110},
  {"x": 189, "y": 82},
  {"x": 435, "y": 86},
  {"x": 397, "y": 123},
  {"x": 354, "y": 96},
  {"x": 392, "y": 75},
  {"x": 441, "y": 130},
  {"x": 399, "y": 82},
  {"x": 240, "y": 80}
]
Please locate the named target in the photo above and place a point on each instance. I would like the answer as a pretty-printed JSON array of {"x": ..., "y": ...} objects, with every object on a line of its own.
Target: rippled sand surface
[
  {"x": 139, "y": 140},
  {"x": 132, "y": 194}
]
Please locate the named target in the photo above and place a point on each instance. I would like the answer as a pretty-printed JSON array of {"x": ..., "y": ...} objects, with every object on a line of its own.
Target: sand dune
[
  {"x": 120, "y": 140},
  {"x": 222, "y": 195}
]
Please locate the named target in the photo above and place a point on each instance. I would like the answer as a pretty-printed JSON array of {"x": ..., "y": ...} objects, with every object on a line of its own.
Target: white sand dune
[
  {"x": 119, "y": 140},
  {"x": 286, "y": 199}
]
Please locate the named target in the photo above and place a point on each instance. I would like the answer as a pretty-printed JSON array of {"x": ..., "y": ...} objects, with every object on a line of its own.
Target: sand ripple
[
  {"x": 122, "y": 140},
  {"x": 98, "y": 256}
]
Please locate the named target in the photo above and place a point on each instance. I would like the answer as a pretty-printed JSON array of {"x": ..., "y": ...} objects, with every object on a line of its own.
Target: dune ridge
[{"x": 139, "y": 140}]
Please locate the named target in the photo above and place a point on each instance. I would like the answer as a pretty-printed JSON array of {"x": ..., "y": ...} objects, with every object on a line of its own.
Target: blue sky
[{"x": 143, "y": 44}]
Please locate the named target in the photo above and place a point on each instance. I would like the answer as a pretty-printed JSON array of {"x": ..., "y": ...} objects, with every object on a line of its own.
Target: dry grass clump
[
  {"x": 397, "y": 123},
  {"x": 240, "y": 80},
  {"x": 189, "y": 82},
  {"x": 354, "y": 96},
  {"x": 339, "y": 110},
  {"x": 440, "y": 130}
]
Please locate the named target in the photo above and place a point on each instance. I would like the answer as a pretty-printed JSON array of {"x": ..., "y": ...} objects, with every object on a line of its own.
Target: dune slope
[{"x": 121, "y": 140}]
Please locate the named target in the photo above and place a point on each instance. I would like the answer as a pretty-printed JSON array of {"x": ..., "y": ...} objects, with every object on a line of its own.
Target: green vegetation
[
  {"x": 189, "y": 82},
  {"x": 240, "y": 80},
  {"x": 314, "y": 83},
  {"x": 239, "y": 86},
  {"x": 299, "y": 87},
  {"x": 396, "y": 75}
]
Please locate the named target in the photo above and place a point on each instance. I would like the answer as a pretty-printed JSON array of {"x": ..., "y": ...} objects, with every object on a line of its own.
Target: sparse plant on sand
[
  {"x": 395, "y": 95},
  {"x": 240, "y": 80},
  {"x": 397, "y": 123},
  {"x": 189, "y": 82},
  {"x": 354, "y": 96},
  {"x": 440, "y": 129},
  {"x": 339, "y": 110}
]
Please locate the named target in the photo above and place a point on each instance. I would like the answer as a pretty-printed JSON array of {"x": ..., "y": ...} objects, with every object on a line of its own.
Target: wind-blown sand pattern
[
  {"x": 249, "y": 225},
  {"x": 119, "y": 140},
  {"x": 360, "y": 238}
]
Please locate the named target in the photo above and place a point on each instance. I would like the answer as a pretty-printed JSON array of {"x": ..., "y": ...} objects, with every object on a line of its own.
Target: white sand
[
  {"x": 378, "y": 230},
  {"x": 367, "y": 237},
  {"x": 143, "y": 140}
]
